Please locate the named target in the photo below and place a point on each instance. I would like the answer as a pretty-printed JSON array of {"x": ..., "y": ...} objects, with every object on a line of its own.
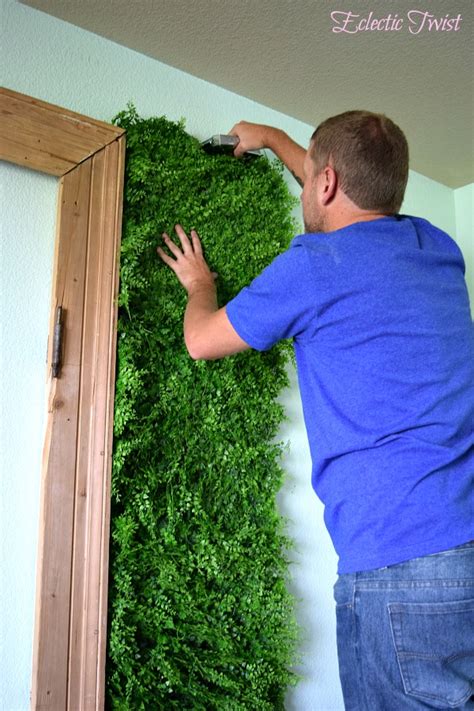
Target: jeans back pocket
[{"x": 434, "y": 644}]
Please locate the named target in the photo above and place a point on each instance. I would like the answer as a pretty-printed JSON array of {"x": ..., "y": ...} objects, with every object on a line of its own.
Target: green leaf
[{"x": 199, "y": 612}]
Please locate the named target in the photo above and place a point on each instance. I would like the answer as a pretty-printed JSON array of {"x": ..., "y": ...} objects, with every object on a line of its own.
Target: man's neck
[{"x": 340, "y": 221}]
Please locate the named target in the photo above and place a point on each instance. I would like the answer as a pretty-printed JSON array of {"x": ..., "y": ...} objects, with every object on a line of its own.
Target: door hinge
[{"x": 57, "y": 343}]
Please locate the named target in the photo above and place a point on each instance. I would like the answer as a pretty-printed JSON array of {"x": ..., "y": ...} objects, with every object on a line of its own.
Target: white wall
[
  {"x": 28, "y": 210},
  {"x": 427, "y": 198},
  {"x": 65, "y": 65}
]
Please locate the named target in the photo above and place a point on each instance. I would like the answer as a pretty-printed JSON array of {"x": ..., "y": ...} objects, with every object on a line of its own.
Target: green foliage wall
[{"x": 199, "y": 615}]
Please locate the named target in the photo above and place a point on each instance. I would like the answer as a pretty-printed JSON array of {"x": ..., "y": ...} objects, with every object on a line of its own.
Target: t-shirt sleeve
[{"x": 277, "y": 304}]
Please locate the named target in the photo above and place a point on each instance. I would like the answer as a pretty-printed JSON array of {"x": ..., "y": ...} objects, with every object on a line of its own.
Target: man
[{"x": 377, "y": 306}]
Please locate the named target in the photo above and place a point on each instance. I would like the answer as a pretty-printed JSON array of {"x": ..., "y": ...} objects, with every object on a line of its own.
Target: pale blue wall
[
  {"x": 427, "y": 198},
  {"x": 65, "y": 65},
  {"x": 28, "y": 210}
]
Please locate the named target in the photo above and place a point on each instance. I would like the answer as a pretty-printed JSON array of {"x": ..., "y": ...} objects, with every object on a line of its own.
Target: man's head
[{"x": 356, "y": 167}]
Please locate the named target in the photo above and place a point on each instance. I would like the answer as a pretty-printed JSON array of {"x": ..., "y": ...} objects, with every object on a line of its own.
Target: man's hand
[
  {"x": 208, "y": 333},
  {"x": 252, "y": 136},
  {"x": 189, "y": 266}
]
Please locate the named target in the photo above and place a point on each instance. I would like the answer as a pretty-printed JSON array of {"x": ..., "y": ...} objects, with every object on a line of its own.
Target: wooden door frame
[{"x": 73, "y": 552}]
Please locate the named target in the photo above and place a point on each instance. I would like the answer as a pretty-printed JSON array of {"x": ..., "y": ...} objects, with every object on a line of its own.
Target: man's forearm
[
  {"x": 287, "y": 150},
  {"x": 202, "y": 303}
]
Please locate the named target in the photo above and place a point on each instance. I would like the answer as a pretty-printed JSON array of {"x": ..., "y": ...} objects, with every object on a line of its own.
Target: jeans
[{"x": 405, "y": 634}]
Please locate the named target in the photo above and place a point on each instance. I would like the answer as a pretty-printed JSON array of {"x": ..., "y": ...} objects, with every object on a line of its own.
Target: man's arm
[
  {"x": 253, "y": 136},
  {"x": 208, "y": 333}
]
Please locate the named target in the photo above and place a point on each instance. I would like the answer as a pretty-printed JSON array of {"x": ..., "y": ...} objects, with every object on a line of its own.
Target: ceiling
[{"x": 285, "y": 55}]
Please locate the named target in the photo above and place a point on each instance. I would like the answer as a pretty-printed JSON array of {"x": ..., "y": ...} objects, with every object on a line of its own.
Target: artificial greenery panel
[{"x": 199, "y": 613}]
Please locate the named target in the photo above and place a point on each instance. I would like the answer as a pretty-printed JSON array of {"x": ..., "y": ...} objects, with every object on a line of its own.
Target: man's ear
[{"x": 328, "y": 184}]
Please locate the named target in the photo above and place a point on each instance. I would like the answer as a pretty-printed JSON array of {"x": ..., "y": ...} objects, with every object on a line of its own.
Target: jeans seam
[
  {"x": 357, "y": 638},
  {"x": 433, "y": 583},
  {"x": 392, "y": 632}
]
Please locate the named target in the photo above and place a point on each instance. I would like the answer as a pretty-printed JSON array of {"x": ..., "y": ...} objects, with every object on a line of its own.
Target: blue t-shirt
[{"x": 384, "y": 344}]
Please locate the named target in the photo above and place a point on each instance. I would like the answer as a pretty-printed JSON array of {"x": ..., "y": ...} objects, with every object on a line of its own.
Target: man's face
[{"x": 313, "y": 217}]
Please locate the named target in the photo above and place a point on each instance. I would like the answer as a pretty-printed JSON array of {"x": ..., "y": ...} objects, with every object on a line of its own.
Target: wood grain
[
  {"x": 48, "y": 138},
  {"x": 92, "y": 504},
  {"x": 73, "y": 544},
  {"x": 51, "y": 647}
]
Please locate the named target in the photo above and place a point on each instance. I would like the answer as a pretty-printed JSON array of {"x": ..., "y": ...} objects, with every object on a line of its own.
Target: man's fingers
[
  {"x": 183, "y": 238},
  {"x": 196, "y": 242},
  {"x": 188, "y": 261},
  {"x": 189, "y": 266},
  {"x": 235, "y": 131},
  {"x": 251, "y": 137},
  {"x": 188, "y": 249},
  {"x": 167, "y": 260},
  {"x": 173, "y": 248}
]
